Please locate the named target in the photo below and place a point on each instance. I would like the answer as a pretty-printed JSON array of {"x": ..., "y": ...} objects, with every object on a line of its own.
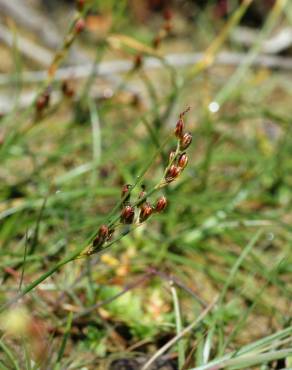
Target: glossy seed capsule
[
  {"x": 182, "y": 160},
  {"x": 160, "y": 204},
  {"x": 185, "y": 141},
  {"x": 179, "y": 128},
  {"x": 101, "y": 237},
  {"x": 172, "y": 173},
  {"x": 146, "y": 211},
  {"x": 79, "y": 25},
  {"x": 127, "y": 214}
]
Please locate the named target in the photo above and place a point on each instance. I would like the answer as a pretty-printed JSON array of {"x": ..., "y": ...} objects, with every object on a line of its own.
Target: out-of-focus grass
[{"x": 226, "y": 231}]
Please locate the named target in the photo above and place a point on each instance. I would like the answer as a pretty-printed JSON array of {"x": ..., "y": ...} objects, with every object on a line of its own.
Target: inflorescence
[{"x": 137, "y": 212}]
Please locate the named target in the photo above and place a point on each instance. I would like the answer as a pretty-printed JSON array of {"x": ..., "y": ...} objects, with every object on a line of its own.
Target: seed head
[
  {"x": 156, "y": 42},
  {"x": 101, "y": 237},
  {"x": 172, "y": 173},
  {"x": 138, "y": 61},
  {"x": 103, "y": 231},
  {"x": 160, "y": 204},
  {"x": 41, "y": 103},
  {"x": 183, "y": 161},
  {"x": 125, "y": 195},
  {"x": 179, "y": 128},
  {"x": 185, "y": 141},
  {"x": 67, "y": 89},
  {"x": 127, "y": 214},
  {"x": 80, "y": 25},
  {"x": 43, "y": 100},
  {"x": 146, "y": 211}
]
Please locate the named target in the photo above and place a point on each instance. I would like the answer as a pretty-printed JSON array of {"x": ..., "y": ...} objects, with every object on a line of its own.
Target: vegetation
[{"x": 190, "y": 268}]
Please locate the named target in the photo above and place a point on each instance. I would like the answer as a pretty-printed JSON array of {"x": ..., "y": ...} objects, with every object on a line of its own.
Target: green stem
[{"x": 43, "y": 277}]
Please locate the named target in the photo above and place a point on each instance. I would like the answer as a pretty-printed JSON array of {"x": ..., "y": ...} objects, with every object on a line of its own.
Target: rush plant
[{"x": 127, "y": 216}]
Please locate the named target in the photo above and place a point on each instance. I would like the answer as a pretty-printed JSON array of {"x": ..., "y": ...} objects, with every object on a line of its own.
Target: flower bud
[
  {"x": 79, "y": 25},
  {"x": 160, "y": 204},
  {"x": 179, "y": 128},
  {"x": 146, "y": 211},
  {"x": 185, "y": 141},
  {"x": 172, "y": 173},
  {"x": 127, "y": 214},
  {"x": 183, "y": 161},
  {"x": 125, "y": 195}
]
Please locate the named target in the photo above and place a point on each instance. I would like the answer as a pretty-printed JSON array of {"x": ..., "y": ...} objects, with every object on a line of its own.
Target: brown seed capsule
[
  {"x": 40, "y": 103},
  {"x": 138, "y": 61},
  {"x": 179, "y": 128},
  {"x": 185, "y": 141},
  {"x": 80, "y": 25},
  {"x": 146, "y": 211},
  {"x": 172, "y": 173},
  {"x": 160, "y": 204},
  {"x": 136, "y": 100},
  {"x": 101, "y": 237},
  {"x": 125, "y": 195},
  {"x": 156, "y": 42},
  {"x": 43, "y": 100},
  {"x": 67, "y": 89},
  {"x": 127, "y": 214},
  {"x": 183, "y": 161},
  {"x": 97, "y": 242},
  {"x": 103, "y": 231}
]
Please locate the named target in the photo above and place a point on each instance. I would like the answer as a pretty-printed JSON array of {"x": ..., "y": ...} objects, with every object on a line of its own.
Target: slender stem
[{"x": 178, "y": 337}]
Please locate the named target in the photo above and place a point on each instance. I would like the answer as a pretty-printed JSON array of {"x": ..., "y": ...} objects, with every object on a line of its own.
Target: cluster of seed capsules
[
  {"x": 178, "y": 159},
  {"x": 142, "y": 209},
  {"x": 145, "y": 208},
  {"x": 43, "y": 100},
  {"x": 165, "y": 30},
  {"x": 137, "y": 213}
]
